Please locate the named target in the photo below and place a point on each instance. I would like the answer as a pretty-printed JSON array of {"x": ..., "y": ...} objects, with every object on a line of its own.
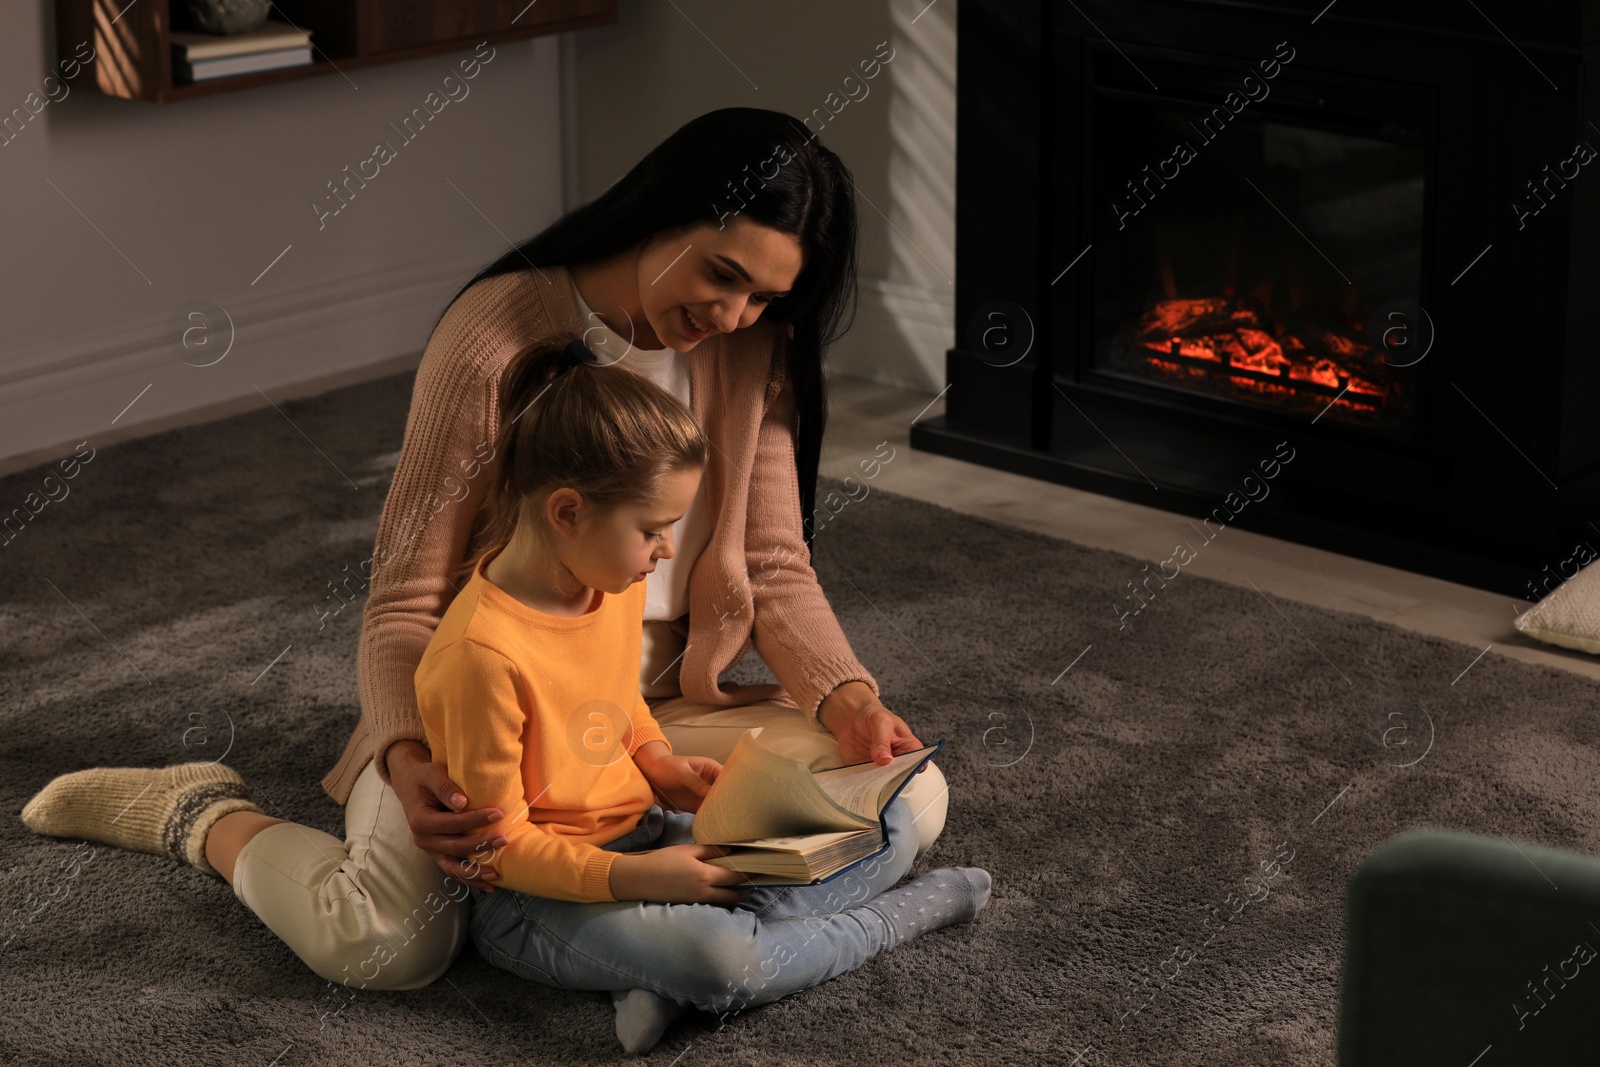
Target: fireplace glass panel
[{"x": 1248, "y": 264}]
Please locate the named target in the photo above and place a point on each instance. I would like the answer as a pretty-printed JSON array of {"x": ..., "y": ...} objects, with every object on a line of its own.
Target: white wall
[
  {"x": 663, "y": 64},
  {"x": 120, "y": 217}
]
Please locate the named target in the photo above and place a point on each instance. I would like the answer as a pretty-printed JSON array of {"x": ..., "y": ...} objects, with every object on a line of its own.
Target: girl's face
[
  {"x": 709, "y": 280},
  {"x": 613, "y": 549}
]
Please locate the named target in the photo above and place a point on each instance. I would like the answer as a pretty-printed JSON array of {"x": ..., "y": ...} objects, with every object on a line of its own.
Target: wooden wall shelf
[{"x": 133, "y": 51}]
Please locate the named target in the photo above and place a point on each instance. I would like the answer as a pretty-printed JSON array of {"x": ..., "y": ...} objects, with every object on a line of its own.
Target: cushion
[{"x": 1570, "y": 615}]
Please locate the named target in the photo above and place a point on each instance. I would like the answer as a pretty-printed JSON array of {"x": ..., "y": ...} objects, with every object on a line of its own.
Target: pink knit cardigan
[{"x": 753, "y": 583}]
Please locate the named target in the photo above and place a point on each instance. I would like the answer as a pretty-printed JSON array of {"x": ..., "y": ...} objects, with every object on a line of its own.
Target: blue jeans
[{"x": 776, "y": 941}]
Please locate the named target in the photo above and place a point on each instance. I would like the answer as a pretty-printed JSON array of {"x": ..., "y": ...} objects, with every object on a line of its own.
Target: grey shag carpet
[{"x": 1170, "y": 823}]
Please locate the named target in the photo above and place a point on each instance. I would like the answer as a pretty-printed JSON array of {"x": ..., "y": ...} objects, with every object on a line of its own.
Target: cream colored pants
[
  {"x": 375, "y": 912},
  {"x": 372, "y": 911}
]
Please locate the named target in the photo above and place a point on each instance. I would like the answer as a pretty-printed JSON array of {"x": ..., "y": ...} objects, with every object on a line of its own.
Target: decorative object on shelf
[
  {"x": 201, "y": 56},
  {"x": 227, "y": 16},
  {"x": 156, "y": 52}
]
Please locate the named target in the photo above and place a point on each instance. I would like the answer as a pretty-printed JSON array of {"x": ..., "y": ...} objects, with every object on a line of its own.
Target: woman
[{"x": 719, "y": 266}]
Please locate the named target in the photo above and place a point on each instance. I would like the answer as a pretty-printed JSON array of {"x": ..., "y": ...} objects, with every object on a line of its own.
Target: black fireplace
[{"x": 1196, "y": 236}]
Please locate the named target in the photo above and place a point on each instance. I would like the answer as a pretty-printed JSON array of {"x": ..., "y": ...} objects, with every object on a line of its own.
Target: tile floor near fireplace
[{"x": 865, "y": 413}]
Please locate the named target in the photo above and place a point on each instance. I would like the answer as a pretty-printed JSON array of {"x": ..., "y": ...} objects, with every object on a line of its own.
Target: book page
[
  {"x": 862, "y": 787},
  {"x": 761, "y": 793},
  {"x": 799, "y": 843}
]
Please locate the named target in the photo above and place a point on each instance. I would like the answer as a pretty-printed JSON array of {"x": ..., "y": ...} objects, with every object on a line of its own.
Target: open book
[{"x": 785, "y": 824}]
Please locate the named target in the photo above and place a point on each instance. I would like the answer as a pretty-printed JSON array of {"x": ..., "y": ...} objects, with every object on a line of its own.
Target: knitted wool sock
[
  {"x": 942, "y": 897},
  {"x": 642, "y": 1017},
  {"x": 165, "y": 811}
]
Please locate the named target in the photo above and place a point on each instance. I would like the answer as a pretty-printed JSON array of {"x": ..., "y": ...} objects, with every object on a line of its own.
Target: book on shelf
[
  {"x": 201, "y": 56},
  {"x": 785, "y": 824}
]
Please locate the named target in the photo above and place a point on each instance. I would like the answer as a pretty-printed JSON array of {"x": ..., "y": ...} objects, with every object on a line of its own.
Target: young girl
[{"x": 529, "y": 696}]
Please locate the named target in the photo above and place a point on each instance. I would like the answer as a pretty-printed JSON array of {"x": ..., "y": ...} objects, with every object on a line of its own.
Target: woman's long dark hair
[{"x": 717, "y": 167}]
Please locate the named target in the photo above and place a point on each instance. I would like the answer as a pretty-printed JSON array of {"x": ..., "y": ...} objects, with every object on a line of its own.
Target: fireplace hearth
[{"x": 1188, "y": 231}]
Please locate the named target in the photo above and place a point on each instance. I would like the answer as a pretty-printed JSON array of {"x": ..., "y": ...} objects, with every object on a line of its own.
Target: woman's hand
[
  {"x": 432, "y": 804},
  {"x": 677, "y": 874},
  {"x": 682, "y": 780},
  {"x": 865, "y": 728}
]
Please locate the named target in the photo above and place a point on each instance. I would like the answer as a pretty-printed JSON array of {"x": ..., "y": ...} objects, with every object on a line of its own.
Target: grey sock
[
  {"x": 642, "y": 1017},
  {"x": 942, "y": 897}
]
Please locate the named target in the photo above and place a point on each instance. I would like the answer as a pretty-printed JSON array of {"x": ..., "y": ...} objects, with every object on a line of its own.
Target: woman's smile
[{"x": 695, "y": 330}]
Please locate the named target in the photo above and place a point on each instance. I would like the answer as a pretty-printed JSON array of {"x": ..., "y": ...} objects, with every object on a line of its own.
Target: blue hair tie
[{"x": 577, "y": 352}]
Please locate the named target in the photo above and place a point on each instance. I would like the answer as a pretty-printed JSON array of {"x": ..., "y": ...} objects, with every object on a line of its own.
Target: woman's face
[{"x": 707, "y": 280}]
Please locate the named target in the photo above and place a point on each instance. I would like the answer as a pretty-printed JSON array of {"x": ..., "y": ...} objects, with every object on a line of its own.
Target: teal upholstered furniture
[{"x": 1462, "y": 949}]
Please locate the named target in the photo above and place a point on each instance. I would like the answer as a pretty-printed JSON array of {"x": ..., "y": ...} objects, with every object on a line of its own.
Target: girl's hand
[
  {"x": 677, "y": 874},
  {"x": 865, "y": 728},
  {"x": 682, "y": 781}
]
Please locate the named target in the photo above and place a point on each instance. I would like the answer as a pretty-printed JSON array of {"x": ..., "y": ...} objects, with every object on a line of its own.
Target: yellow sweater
[{"x": 540, "y": 715}]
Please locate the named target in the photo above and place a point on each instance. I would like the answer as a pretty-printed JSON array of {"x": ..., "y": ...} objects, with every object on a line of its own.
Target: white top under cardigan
[{"x": 667, "y": 589}]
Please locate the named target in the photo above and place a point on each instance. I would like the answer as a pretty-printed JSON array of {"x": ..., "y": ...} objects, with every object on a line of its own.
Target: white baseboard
[{"x": 133, "y": 382}]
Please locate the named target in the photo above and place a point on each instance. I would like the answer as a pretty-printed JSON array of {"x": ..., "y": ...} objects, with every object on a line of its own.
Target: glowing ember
[{"x": 1235, "y": 337}]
